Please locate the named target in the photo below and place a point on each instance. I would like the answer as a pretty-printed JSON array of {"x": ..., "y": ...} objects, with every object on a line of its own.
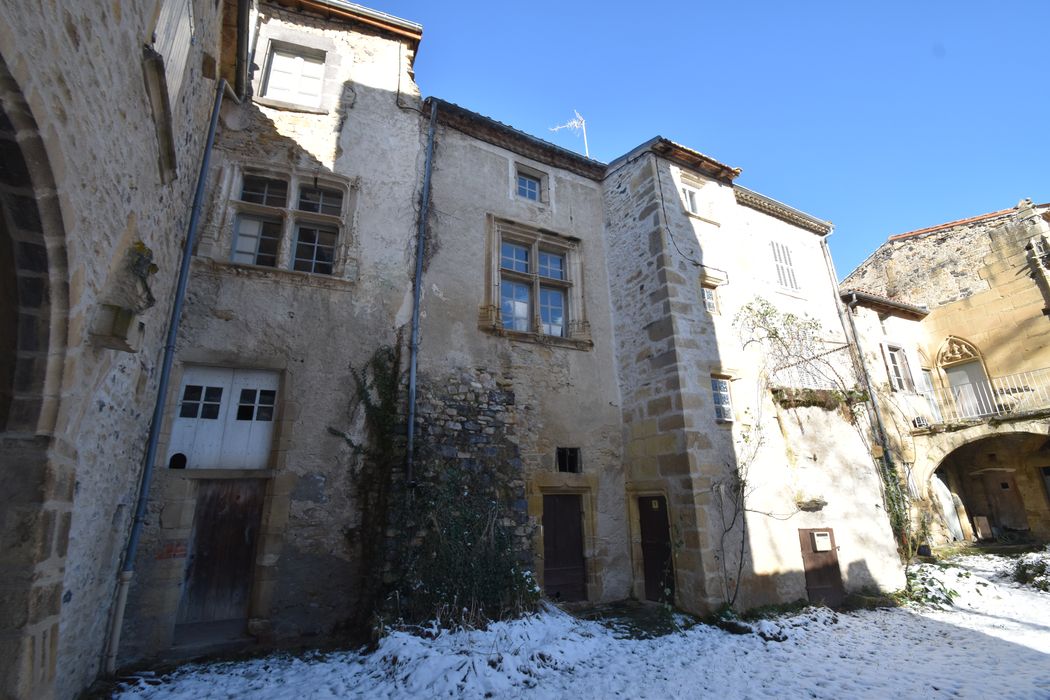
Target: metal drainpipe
[
  {"x": 413, "y": 347},
  {"x": 128, "y": 567}
]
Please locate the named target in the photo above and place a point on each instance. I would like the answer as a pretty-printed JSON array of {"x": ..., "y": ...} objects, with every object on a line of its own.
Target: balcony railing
[{"x": 1000, "y": 396}]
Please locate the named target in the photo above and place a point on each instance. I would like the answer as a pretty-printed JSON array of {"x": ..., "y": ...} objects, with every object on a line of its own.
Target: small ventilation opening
[
  {"x": 177, "y": 461},
  {"x": 569, "y": 459}
]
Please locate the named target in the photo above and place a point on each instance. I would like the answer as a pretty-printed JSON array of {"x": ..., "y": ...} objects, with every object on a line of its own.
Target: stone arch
[
  {"x": 33, "y": 273},
  {"x": 35, "y": 510},
  {"x": 955, "y": 350},
  {"x": 997, "y": 472}
]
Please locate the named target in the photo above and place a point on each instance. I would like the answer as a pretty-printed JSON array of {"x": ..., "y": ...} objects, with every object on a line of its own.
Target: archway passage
[{"x": 999, "y": 488}]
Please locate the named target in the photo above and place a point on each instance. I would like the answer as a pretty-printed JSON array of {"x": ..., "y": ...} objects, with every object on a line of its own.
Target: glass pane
[
  {"x": 266, "y": 397},
  {"x": 552, "y": 265},
  {"x": 321, "y": 200},
  {"x": 210, "y": 410},
  {"x": 552, "y": 311},
  {"x": 247, "y": 396},
  {"x": 244, "y": 412},
  {"x": 528, "y": 187},
  {"x": 514, "y": 305},
  {"x": 514, "y": 257},
  {"x": 213, "y": 394},
  {"x": 264, "y": 413},
  {"x": 188, "y": 410},
  {"x": 192, "y": 392}
]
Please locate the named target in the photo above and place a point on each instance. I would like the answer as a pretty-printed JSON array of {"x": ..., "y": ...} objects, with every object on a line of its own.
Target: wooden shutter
[{"x": 172, "y": 40}]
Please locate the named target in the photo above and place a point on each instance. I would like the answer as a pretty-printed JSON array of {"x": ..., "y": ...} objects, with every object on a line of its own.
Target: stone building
[
  {"x": 576, "y": 335},
  {"x": 952, "y": 323},
  {"x": 103, "y": 116}
]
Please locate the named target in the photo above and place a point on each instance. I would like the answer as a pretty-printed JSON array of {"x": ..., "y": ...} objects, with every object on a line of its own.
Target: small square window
[
  {"x": 514, "y": 257},
  {"x": 568, "y": 459},
  {"x": 256, "y": 404},
  {"x": 320, "y": 200},
  {"x": 314, "y": 249},
  {"x": 264, "y": 190},
  {"x": 529, "y": 187},
  {"x": 256, "y": 241},
  {"x": 294, "y": 74},
  {"x": 723, "y": 402},
  {"x": 710, "y": 299},
  {"x": 552, "y": 265},
  {"x": 200, "y": 402}
]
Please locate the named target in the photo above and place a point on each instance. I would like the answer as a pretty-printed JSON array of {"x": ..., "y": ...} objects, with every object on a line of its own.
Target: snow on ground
[{"x": 994, "y": 641}]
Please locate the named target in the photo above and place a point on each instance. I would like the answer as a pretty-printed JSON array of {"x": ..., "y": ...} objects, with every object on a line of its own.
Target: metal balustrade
[{"x": 1000, "y": 396}]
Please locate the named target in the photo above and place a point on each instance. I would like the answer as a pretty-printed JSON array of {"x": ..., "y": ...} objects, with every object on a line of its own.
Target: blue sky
[{"x": 881, "y": 117}]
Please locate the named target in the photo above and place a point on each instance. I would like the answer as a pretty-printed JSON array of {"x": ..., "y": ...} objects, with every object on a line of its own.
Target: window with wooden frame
[
  {"x": 535, "y": 289},
  {"x": 294, "y": 74},
  {"x": 710, "y": 294},
  {"x": 288, "y": 221},
  {"x": 530, "y": 184},
  {"x": 898, "y": 370}
]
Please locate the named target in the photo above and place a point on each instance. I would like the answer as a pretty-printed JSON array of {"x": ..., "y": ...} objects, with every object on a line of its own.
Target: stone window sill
[
  {"x": 281, "y": 275},
  {"x": 288, "y": 106},
  {"x": 540, "y": 338}
]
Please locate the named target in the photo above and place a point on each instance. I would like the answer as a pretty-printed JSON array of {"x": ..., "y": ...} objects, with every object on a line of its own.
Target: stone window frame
[
  {"x": 577, "y": 328},
  {"x": 541, "y": 177},
  {"x": 274, "y": 36},
  {"x": 291, "y": 218},
  {"x": 711, "y": 278}
]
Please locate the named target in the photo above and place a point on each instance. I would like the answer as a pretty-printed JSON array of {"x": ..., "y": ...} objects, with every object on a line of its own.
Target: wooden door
[
  {"x": 564, "y": 573},
  {"x": 820, "y": 560},
  {"x": 222, "y": 551},
  {"x": 1006, "y": 503},
  {"x": 657, "y": 564}
]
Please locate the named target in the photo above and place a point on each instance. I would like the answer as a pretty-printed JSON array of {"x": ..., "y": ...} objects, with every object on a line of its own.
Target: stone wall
[{"x": 100, "y": 189}]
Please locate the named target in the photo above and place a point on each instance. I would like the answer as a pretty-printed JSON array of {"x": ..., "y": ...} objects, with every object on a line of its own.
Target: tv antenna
[{"x": 576, "y": 124}]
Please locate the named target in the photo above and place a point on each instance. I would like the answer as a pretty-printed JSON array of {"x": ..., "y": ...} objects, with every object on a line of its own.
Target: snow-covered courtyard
[{"x": 993, "y": 641}]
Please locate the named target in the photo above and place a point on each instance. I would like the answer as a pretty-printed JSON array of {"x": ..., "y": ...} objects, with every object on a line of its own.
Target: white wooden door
[{"x": 224, "y": 419}]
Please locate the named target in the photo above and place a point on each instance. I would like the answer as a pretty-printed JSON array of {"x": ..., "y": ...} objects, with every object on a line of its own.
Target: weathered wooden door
[
  {"x": 222, "y": 552},
  {"x": 820, "y": 560},
  {"x": 1007, "y": 506},
  {"x": 564, "y": 573},
  {"x": 657, "y": 565}
]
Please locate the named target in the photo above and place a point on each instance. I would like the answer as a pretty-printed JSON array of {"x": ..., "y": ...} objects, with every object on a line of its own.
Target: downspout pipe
[
  {"x": 417, "y": 292},
  {"x": 128, "y": 567}
]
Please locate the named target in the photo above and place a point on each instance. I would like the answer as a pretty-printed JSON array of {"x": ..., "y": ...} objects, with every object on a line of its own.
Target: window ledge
[
  {"x": 280, "y": 275},
  {"x": 288, "y": 106},
  {"x": 539, "y": 338},
  {"x": 221, "y": 473},
  {"x": 793, "y": 293},
  {"x": 691, "y": 215}
]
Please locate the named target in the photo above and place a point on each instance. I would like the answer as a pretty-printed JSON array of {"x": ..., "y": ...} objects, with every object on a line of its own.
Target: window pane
[
  {"x": 210, "y": 410},
  {"x": 528, "y": 187},
  {"x": 552, "y": 265},
  {"x": 320, "y": 200},
  {"x": 514, "y": 305},
  {"x": 213, "y": 394},
  {"x": 266, "y": 397},
  {"x": 264, "y": 190},
  {"x": 245, "y": 411},
  {"x": 514, "y": 257},
  {"x": 552, "y": 311},
  {"x": 314, "y": 250},
  {"x": 256, "y": 241},
  {"x": 264, "y": 413},
  {"x": 189, "y": 409},
  {"x": 192, "y": 393}
]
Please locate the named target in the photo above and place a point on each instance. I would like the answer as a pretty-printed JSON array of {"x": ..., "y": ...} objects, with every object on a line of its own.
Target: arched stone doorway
[
  {"x": 36, "y": 498},
  {"x": 999, "y": 486}
]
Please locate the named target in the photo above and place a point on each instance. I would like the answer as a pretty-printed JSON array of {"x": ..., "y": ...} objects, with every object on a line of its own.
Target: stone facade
[
  {"x": 664, "y": 252},
  {"x": 89, "y": 190},
  {"x": 968, "y": 422},
  {"x": 574, "y": 317}
]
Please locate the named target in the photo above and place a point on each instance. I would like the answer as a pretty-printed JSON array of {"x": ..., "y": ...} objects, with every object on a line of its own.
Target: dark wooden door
[
  {"x": 222, "y": 551},
  {"x": 823, "y": 576},
  {"x": 657, "y": 565},
  {"x": 564, "y": 573}
]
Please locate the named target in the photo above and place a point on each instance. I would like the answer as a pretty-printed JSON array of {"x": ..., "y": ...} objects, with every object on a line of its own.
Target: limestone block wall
[
  {"x": 80, "y": 72},
  {"x": 565, "y": 388}
]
